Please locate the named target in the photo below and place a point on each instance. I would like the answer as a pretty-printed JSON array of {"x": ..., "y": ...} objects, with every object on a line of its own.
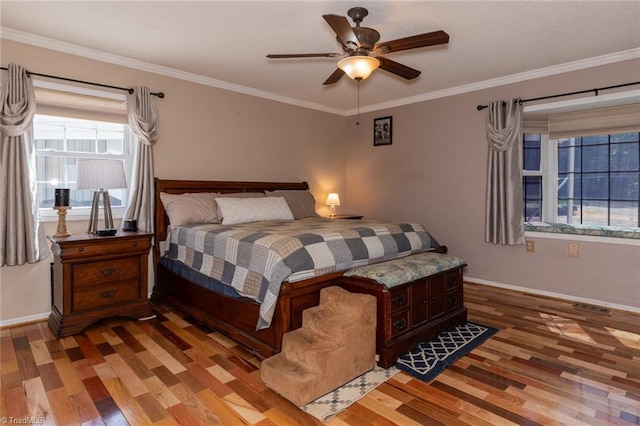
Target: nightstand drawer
[
  {"x": 87, "y": 274},
  {"x": 105, "y": 247},
  {"x": 105, "y": 295}
]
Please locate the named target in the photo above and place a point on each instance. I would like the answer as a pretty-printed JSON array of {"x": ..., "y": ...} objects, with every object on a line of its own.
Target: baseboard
[
  {"x": 29, "y": 318},
  {"x": 25, "y": 319},
  {"x": 45, "y": 315},
  {"x": 562, "y": 296}
]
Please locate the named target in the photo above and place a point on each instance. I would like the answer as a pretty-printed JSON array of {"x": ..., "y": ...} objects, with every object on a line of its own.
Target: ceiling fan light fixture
[{"x": 358, "y": 67}]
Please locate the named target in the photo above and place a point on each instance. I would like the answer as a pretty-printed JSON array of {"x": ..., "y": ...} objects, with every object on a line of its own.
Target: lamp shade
[
  {"x": 99, "y": 174},
  {"x": 333, "y": 199},
  {"x": 358, "y": 67}
]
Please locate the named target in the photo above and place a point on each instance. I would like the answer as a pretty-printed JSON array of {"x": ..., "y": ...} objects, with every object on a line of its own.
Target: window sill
[
  {"x": 79, "y": 214},
  {"x": 595, "y": 233}
]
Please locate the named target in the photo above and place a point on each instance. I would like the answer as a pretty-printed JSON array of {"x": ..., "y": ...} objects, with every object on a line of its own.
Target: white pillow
[
  {"x": 190, "y": 208},
  {"x": 245, "y": 210}
]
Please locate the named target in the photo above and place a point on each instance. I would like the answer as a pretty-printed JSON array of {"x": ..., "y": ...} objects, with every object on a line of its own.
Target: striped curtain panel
[
  {"x": 504, "y": 212},
  {"x": 21, "y": 236},
  {"x": 143, "y": 120}
]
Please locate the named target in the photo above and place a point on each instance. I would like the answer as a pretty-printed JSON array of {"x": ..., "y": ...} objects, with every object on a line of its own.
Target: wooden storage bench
[{"x": 418, "y": 297}]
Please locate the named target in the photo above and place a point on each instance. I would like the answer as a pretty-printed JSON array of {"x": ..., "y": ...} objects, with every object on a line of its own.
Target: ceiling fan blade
[
  {"x": 413, "y": 42},
  {"x": 340, "y": 26},
  {"x": 333, "y": 78},
  {"x": 304, "y": 55},
  {"x": 398, "y": 69}
]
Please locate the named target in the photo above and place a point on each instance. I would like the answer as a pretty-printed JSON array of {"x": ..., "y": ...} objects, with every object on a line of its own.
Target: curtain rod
[
  {"x": 580, "y": 92},
  {"x": 127, "y": 89}
]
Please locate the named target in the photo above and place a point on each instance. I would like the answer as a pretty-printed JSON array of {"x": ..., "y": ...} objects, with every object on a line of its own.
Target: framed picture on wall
[{"x": 382, "y": 131}]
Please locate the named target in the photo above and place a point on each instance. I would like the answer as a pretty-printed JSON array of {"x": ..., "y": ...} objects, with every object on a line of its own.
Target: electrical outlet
[
  {"x": 531, "y": 246},
  {"x": 574, "y": 250}
]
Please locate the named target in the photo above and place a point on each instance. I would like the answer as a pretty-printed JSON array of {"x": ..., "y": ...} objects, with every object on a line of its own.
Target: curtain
[
  {"x": 143, "y": 120},
  {"x": 504, "y": 216},
  {"x": 21, "y": 237}
]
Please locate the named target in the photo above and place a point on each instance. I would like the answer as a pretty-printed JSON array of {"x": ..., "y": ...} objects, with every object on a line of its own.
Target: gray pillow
[
  {"x": 190, "y": 208},
  {"x": 302, "y": 203}
]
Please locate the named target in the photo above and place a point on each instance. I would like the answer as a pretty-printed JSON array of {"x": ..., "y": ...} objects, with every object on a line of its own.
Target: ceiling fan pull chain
[{"x": 358, "y": 119}]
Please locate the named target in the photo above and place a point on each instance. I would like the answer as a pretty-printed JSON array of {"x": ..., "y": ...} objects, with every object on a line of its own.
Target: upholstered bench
[{"x": 418, "y": 296}]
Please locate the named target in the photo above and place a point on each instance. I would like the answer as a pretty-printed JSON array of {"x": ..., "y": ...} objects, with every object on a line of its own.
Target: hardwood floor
[{"x": 549, "y": 364}]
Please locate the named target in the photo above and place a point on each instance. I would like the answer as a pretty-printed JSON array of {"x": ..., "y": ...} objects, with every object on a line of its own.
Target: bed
[{"x": 235, "y": 315}]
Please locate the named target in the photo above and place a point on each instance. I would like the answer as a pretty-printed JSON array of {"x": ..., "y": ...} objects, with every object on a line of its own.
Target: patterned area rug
[
  {"x": 327, "y": 406},
  {"x": 430, "y": 358},
  {"x": 424, "y": 362}
]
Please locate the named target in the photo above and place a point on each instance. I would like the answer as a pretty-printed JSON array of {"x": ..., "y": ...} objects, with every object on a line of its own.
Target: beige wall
[
  {"x": 205, "y": 133},
  {"x": 434, "y": 172}
]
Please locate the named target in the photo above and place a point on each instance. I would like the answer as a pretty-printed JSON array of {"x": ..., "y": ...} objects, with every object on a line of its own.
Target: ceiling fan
[{"x": 359, "y": 43}]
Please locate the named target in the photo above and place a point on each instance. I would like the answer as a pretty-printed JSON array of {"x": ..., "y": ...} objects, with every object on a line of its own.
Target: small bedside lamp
[
  {"x": 333, "y": 200},
  {"x": 100, "y": 175}
]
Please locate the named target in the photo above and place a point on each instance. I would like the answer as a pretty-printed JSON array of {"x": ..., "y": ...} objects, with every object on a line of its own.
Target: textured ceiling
[{"x": 225, "y": 43}]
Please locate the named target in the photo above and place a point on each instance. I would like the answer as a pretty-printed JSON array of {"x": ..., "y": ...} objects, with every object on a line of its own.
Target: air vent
[{"x": 592, "y": 308}]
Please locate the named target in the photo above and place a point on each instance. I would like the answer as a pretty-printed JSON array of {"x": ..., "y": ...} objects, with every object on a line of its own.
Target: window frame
[
  {"x": 550, "y": 182},
  {"x": 549, "y": 172}
]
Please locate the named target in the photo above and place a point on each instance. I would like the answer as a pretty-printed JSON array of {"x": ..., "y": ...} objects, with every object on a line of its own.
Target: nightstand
[
  {"x": 347, "y": 216},
  {"x": 98, "y": 277}
]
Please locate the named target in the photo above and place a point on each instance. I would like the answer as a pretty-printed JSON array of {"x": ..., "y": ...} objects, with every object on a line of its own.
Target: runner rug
[
  {"x": 425, "y": 362},
  {"x": 430, "y": 358}
]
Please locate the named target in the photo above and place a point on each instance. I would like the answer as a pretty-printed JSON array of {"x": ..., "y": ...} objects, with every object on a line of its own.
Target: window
[
  {"x": 589, "y": 180},
  {"x": 73, "y": 123},
  {"x": 61, "y": 141}
]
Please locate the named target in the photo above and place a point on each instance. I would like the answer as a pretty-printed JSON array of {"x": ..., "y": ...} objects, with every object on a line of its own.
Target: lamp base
[
  {"x": 332, "y": 211},
  {"x": 95, "y": 209}
]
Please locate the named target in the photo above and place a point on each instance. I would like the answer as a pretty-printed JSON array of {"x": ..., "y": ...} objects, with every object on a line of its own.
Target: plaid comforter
[{"x": 255, "y": 258}]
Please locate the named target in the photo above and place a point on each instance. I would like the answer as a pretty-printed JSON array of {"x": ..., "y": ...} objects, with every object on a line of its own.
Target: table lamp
[
  {"x": 333, "y": 200},
  {"x": 100, "y": 175}
]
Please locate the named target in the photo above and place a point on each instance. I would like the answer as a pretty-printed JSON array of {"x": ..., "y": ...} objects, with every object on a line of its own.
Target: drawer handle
[
  {"x": 453, "y": 281},
  {"x": 400, "y": 324},
  {"x": 400, "y": 299},
  {"x": 81, "y": 249},
  {"x": 107, "y": 272},
  {"x": 453, "y": 301},
  {"x": 108, "y": 294},
  {"x": 135, "y": 244}
]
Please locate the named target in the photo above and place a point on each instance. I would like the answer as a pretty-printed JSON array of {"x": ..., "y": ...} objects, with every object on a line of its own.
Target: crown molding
[
  {"x": 502, "y": 81},
  {"x": 98, "y": 55}
]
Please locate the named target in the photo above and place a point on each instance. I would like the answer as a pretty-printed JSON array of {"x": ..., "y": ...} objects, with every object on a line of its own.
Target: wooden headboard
[{"x": 225, "y": 187}]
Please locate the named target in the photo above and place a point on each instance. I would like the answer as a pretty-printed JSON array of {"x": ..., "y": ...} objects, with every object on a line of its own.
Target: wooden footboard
[{"x": 237, "y": 319}]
